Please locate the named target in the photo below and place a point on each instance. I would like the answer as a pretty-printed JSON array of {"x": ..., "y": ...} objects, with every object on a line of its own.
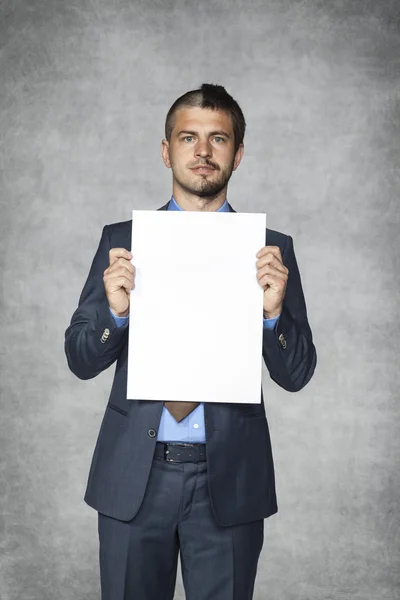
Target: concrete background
[{"x": 84, "y": 90}]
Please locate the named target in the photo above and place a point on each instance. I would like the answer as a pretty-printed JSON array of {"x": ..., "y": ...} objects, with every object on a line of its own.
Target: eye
[
  {"x": 188, "y": 138},
  {"x": 219, "y": 139}
]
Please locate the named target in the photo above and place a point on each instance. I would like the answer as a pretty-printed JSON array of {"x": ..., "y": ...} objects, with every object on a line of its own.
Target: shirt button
[
  {"x": 195, "y": 426},
  {"x": 152, "y": 433}
]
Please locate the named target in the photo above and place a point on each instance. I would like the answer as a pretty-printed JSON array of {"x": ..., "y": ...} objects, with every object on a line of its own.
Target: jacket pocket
[{"x": 117, "y": 409}]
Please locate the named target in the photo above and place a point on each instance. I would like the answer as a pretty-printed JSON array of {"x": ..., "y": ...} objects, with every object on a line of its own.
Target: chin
[
  {"x": 203, "y": 188},
  {"x": 211, "y": 194},
  {"x": 208, "y": 189},
  {"x": 205, "y": 192}
]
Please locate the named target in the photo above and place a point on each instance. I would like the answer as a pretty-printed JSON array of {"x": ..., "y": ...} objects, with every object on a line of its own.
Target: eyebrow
[{"x": 220, "y": 132}]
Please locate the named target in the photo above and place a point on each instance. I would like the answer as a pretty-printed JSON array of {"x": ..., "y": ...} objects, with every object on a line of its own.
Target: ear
[
  {"x": 238, "y": 157},
  {"x": 165, "y": 153}
]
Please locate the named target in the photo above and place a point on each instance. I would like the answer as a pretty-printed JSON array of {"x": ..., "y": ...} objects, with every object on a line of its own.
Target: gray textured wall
[{"x": 84, "y": 89}]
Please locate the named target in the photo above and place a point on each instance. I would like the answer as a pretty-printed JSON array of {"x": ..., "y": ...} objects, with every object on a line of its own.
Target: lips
[{"x": 203, "y": 170}]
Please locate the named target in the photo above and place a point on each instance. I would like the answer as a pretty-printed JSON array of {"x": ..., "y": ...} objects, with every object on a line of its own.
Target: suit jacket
[{"x": 239, "y": 456}]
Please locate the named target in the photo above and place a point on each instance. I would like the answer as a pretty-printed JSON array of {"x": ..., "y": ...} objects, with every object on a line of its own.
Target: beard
[{"x": 202, "y": 185}]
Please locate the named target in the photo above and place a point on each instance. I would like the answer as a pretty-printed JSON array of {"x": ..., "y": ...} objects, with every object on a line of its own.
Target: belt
[{"x": 180, "y": 452}]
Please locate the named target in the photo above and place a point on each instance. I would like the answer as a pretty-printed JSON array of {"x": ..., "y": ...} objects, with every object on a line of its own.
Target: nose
[{"x": 203, "y": 149}]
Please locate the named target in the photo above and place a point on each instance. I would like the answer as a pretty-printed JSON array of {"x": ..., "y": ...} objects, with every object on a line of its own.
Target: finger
[
  {"x": 275, "y": 250},
  {"x": 128, "y": 284},
  {"x": 271, "y": 259},
  {"x": 275, "y": 282},
  {"x": 117, "y": 283},
  {"x": 118, "y": 269},
  {"x": 121, "y": 263},
  {"x": 271, "y": 270},
  {"x": 116, "y": 253},
  {"x": 113, "y": 272}
]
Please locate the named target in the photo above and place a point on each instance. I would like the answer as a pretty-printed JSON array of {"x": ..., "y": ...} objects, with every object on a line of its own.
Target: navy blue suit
[{"x": 240, "y": 472}]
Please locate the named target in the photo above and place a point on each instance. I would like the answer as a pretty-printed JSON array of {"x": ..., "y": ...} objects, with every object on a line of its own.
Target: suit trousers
[{"x": 138, "y": 558}]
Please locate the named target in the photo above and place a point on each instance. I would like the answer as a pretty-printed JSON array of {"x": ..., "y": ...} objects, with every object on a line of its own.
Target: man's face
[{"x": 201, "y": 152}]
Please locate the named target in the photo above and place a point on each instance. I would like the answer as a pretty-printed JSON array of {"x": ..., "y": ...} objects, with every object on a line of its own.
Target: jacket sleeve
[
  {"x": 93, "y": 341},
  {"x": 288, "y": 349}
]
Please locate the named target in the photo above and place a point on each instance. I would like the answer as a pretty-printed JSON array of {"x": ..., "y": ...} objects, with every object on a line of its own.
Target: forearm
[
  {"x": 93, "y": 341},
  {"x": 288, "y": 348},
  {"x": 289, "y": 354},
  {"x": 91, "y": 346}
]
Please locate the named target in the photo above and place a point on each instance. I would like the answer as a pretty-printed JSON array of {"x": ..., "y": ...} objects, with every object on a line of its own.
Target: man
[{"x": 195, "y": 479}]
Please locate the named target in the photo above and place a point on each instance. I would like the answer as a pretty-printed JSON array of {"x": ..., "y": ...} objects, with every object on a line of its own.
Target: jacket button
[
  {"x": 152, "y": 433},
  {"x": 105, "y": 335}
]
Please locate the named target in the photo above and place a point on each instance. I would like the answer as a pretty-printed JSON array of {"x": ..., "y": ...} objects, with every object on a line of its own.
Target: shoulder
[
  {"x": 276, "y": 238},
  {"x": 120, "y": 234}
]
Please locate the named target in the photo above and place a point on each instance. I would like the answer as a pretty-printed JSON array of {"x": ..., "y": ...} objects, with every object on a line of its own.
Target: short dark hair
[{"x": 214, "y": 97}]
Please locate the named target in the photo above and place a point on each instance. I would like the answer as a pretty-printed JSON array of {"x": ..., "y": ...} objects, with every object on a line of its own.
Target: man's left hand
[{"x": 272, "y": 275}]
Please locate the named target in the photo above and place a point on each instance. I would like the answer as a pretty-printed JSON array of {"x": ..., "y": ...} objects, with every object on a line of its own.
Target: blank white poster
[{"x": 196, "y": 312}]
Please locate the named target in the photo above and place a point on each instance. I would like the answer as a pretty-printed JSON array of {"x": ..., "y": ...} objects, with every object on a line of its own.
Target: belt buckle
[
  {"x": 179, "y": 444},
  {"x": 166, "y": 452}
]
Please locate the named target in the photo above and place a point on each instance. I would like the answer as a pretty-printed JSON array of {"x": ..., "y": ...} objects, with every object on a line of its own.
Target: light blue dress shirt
[{"x": 192, "y": 428}]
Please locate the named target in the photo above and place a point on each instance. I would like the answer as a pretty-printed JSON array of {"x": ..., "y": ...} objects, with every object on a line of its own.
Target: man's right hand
[{"x": 119, "y": 280}]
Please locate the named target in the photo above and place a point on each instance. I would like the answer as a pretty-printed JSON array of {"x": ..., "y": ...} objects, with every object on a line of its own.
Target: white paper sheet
[{"x": 196, "y": 312}]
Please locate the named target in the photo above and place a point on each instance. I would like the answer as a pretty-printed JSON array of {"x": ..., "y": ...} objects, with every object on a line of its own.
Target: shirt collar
[{"x": 173, "y": 205}]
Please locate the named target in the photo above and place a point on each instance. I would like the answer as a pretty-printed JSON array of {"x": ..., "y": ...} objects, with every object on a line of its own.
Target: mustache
[{"x": 205, "y": 164}]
